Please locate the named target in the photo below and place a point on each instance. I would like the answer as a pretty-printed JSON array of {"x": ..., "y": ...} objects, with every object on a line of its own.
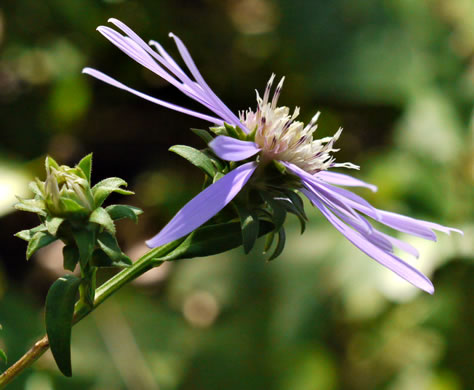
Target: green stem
[{"x": 146, "y": 262}]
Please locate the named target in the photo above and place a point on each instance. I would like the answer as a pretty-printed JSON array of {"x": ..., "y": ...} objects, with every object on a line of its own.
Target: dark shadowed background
[{"x": 398, "y": 76}]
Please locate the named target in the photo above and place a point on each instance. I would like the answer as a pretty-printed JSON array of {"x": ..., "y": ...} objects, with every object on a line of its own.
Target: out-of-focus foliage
[{"x": 397, "y": 75}]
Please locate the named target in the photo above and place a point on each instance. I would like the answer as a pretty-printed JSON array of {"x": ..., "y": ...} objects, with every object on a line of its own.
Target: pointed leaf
[
  {"x": 86, "y": 166},
  {"x": 100, "y": 259},
  {"x": 50, "y": 163},
  {"x": 28, "y": 234},
  {"x": 195, "y": 157},
  {"x": 32, "y": 206},
  {"x": 268, "y": 242},
  {"x": 39, "y": 240},
  {"x": 35, "y": 188},
  {"x": 203, "y": 134},
  {"x": 101, "y": 217},
  {"x": 52, "y": 224},
  {"x": 108, "y": 243},
  {"x": 105, "y": 187},
  {"x": 280, "y": 244},
  {"x": 119, "y": 211},
  {"x": 278, "y": 211},
  {"x": 3, "y": 356},
  {"x": 58, "y": 315},
  {"x": 213, "y": 239},
  {"x": 72, "y": 208},
  {"x": 70, "y": 257},
  {"x": 249, "y": 226},
  {"x": 85, "y": 241}
]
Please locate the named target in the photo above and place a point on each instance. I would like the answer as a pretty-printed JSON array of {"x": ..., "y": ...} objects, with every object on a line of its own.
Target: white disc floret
[{"x": 283, "y": 138}]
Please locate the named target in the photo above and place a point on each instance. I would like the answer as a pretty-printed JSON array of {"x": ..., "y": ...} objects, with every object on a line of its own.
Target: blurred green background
[{"x": 398, "y": 75}]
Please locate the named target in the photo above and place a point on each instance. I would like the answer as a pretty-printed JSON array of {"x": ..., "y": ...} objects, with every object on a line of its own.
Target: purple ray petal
[
  {"x": 141, "y": 52},
  {"x": 321, "y": 191},
  {"x": 231, "y": 149},
  {"x": 109, "y": 80},
  {"x": 388, "y": 260},
  {"x": 229, "y": 116},
  {"x": 344, "y": 180},
  {"x": 402, "y": 245},
  {"x": 204, "y": 206}
]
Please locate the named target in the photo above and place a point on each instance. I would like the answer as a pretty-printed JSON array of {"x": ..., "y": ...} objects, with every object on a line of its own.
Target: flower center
[{"x": 281, "y": 137}]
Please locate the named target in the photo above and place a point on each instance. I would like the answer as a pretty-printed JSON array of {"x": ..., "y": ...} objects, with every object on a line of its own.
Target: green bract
[
  {"x": 72, "y": 211},
  {"x": 267, "y": 198}
]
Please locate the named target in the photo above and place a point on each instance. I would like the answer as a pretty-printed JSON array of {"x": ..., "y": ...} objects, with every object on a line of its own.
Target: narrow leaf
[
  {"x": 268, "y": 242},
  {"x": 100, "y": 259},
  {"x": 213, "y": 239},
  {"x": 58, "y": 315},
  {"x": 249, "y": 226},
  {"x": 101, "y": 217},
  {"x": 52, "y": 224},
  {"x": 119, "y": 211},
  {"x": 32, "y": 206},
  {"x": 28, "y": 234},
  {"x": 108, "y": 243},
  {"x": 39, "y": 240},
  {"x": 50, "y": 163},
  {"x": 195, "y": 157},
  {"x": 70, "y": 257},
  {"x": 278, "y": 211},
  {"x": 86, "y": 166},
  {"x": 203, "y": 134},
  {"x": 105, "y": 187},
  {"x": 280, "y": 244},
  {"x": 85, "y": 241}
]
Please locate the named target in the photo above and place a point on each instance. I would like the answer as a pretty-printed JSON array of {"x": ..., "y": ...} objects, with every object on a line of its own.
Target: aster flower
[{"x": 270, "y": 152}]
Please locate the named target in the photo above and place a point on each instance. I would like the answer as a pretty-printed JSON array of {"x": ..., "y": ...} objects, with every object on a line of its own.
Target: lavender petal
[
  {"x": 231, "y": 149},
  {"x": 388, "y": 260},
  {"x": 109, "y": 80},
  {"x": 205, "y": 205},
  {"x": 344, "y": 180}
]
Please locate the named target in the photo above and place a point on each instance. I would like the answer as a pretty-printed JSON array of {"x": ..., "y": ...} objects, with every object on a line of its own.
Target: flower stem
[{"x": 146, "y": 262}]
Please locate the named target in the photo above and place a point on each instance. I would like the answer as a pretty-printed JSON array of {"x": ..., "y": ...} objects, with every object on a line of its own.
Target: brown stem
[{"x": 40, "y": 347}]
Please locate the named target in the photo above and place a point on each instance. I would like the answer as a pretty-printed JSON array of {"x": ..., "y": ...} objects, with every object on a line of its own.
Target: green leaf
[
  {"x": 105, "y": 187},
  {"x": 297, "y": 202},
  {"x": 280, "y": 244},
  {"x": 70, "y": 257},
  {"x": 72, "y": 208},
  {"x": 235, "y": 132},
  {"x": 39, "y": 240},
  {"x": 203, "y": 134},
  {"x": 278, "y": 211},
  {"x": 119, "y": 211},
  {"x": 86, "y": 166},
  {"x": 85, "y": 241},
  {"x": 3, "y": 356},
  {"x": 52, "y": 224},
  {"x": 100, "y": 259},
  {"x": 28, "y": 234},
  {"x": 101, "y": 217},
  {"x": 195, "y": 157},
  {"x": 213, "y": 239},
  {"x": 35, "y": 188},
  {"x": 249, "y": 226},
  {"x": 50, "y": 163},
  {"x": 32, "y": 206},
  {"x": 108, "y": 243},
  {"x": 268, "y": 242},
  {"x": 219, "y": 130},
  {"x": 58, "y": 315}
]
